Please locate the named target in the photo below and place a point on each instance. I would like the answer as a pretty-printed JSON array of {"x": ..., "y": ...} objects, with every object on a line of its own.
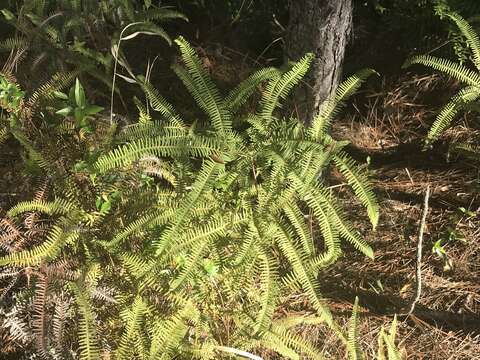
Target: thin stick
[
  {"x": 116, "y": 54},
  {"x": 418, "y": 275}
]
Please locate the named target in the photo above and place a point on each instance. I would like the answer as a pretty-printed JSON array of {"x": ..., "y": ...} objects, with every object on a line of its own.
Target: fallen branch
[{"x": 418, "y": 274}]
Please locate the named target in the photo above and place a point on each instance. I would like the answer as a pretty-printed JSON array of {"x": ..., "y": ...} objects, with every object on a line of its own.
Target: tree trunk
[{"x": 321, "y": 27}]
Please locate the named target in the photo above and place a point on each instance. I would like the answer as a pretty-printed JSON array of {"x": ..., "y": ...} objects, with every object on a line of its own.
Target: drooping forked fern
[
  {"x": 201, "y": 250},
  {"x": 466, "y": 98}
]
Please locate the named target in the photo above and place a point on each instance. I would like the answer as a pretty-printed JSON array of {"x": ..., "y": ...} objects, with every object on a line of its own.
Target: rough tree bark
[{"x": 322, "y": 27}]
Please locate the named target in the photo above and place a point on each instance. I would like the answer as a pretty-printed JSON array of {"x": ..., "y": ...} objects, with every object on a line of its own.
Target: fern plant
[
  {"x": 467, "y": 97},
  {"x": 80, "y": 35},
  {"x": 197, "y": 232}
]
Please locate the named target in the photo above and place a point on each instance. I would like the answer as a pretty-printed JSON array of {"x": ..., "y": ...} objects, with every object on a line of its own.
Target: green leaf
[
  {"x": 92, "y": 109},
  {"x": 79, "y": 94},
  {"x": 65, "y": 111},
  {"x": 106, "y": 206},
  {"x": 60, "y": 95}
]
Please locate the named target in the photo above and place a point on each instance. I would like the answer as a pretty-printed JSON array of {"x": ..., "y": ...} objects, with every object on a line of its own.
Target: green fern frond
[
  {"x": 451, "y": 109},
  {"x": 164, "y": 13},
  {"x": 333, "y": 105},
  {"x": 89, "y": 348},
  {"x": 330, "y": 234},
  {"x": 160, "y": 104},
  {"x": 13, "y": 43},
  {"x": 133, "y": 319},
  {"x": 344, "y": 227},
  {"x": 48, "y": 250},
  {"x": 203, "y": 89},
  {"x": 239, "y": 96},
  {"x": 58, "y": 82},
  {"x": 360, "y": 184},
  {"x": 56, "y": 207},
  {"x": 470, "y": 35},
  {"x": 139, "y": 225},
  {"x": 167, "y": 335},
  {"x": 4, "y": 134},
  {"x": 354, "y": 350},
  {"x": 297, "y": 219},
  {"x": 281, "y": 340},
  {"x": 161, "y": 146},
  {"x": 457, "y": 71},
  {"x": 297, "y": 259},
  {"x": 268, "y": 295},
  {"x": 203, "y": 183},
  {"x": 278, "y": 89}
]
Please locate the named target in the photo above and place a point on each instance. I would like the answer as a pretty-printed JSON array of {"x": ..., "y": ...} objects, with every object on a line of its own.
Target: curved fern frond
[
  {"x": 204, "y": 90},
  {"x": 268, "y": 289},
  {"x": 56, "y": 207},
  {"x": 470, "y": 35},
  {"x": 133, "y": 319},
  {"x": 48, "y": 250},
  {"x": 139, "y": 225},
  {"x": 451, "y": 109},
  {"x": 330, "y": 235},
  {"x": 344, "y": 228},
  {"x": 297, "y": 219},
  {"x": 160, "y": 104},
  {"x": 457, "y": 71},
  {"x": 360, "y": 184},
  {"x": 297, "y": 260},
  {"x": 203, "y": 182},
  {"x": 333, "y": 105},
  {"x": 239, "y": 96},
  {"x": 278, "y": 89},
  {"x": 160, "y": 146},
  {"x": 281, "y": 340}
]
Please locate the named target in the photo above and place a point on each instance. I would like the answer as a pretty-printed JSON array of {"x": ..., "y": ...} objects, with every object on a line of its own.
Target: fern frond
[
  {"x": 297, "y": 219},
  {"x": 204, "y": 181},
  {"x": 470, "y": 35},
  {"x": 167, "y": 334},
  {"x": 133, "y": 319},
  {"x": 297, "y": 260},
  {"x": 344, "y": 228},
  {"x": 268, "y": 295},
  {"x": 139, "y": 225},
  {"x": 161, "y": 146},
  {"x": 39, "y": 316},
  {"x": 239, "y": 96},
  {"x": 48, "y": 250},
  {"x": 281, "y": 340},
  {"x": 13, "y": 43},
  {"x": 457, "y": 71},
  {"x": 164, "y": 13},
  {"x": 360, "y": 184},
  {"x": 333, "y": 105},
  {"x": 329, "y": 231},
  {"x": 279, "y": 89},
  {"x": 204, "y": 90},
  {"x": 56, "y": 207},
  {"x": 451, "y": 109},
  {"x": 354, "y": 350},
  {"x": 88, "y": 342},
  {"x": 160, "y": 104},
  {"x": 389, "y": 339}
]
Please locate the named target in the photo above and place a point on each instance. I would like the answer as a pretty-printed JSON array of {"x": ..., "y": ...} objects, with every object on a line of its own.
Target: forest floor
[{"x": 387, "y": 123}]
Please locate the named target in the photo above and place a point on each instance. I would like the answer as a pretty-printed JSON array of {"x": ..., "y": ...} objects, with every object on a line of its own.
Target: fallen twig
[{"x": 418, "y": 274}]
